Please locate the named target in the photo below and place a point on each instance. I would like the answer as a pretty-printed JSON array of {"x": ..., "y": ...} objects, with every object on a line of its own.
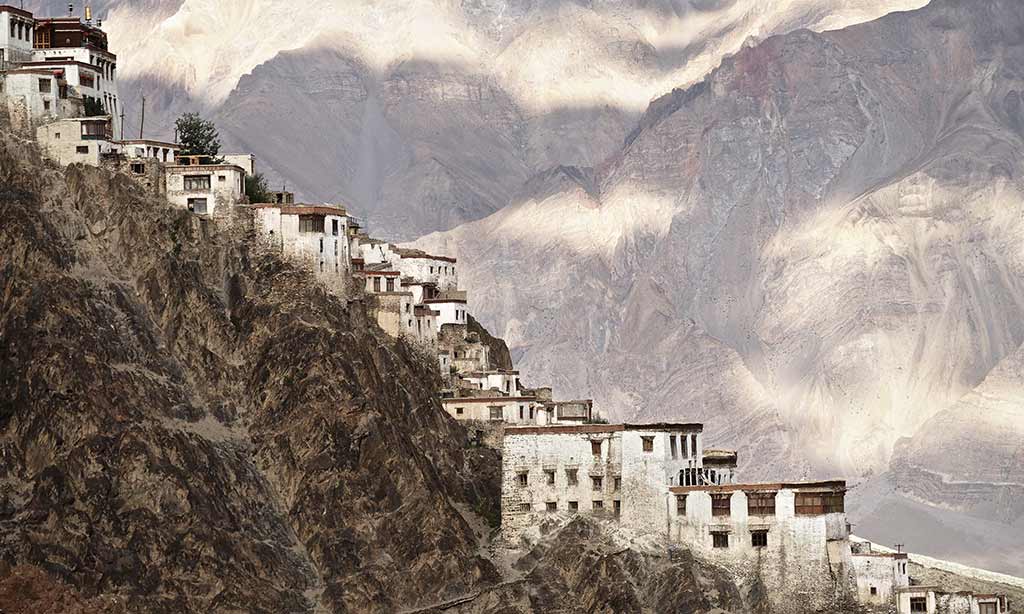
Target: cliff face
[{"x": 188, "y": 425}]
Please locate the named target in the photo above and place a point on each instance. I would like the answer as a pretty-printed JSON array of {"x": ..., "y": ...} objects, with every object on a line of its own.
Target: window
[
  {"x": 595, "y": 448},
  {"x": 598, "y": 505},
  {"x": 222, "y": 178},
  {"x": 680, "y": 505},
  {"x": 720, "y": 504},
  {"x": 391, "y": 285},
  {"x": 458, "y": 410},
  {"x": 761, "y": 503},
  {"x": 918, "y": 604},
  {"x": 874, "y": 590},
  {"x": 574, "y": 506},
  {"x": 46, "y": 105},
  {"x": 431, "y": 270},
  {"x": 197, "y": 205},
  {"x": 618, "y": 507},
  {"x": 524, "y": 478},
  {"x": 550, "y": 475},
  {"x": 648, "y": 443},
  {"x": 816, "y": 503},
  {"x": 138, "y": 168},
  {"x": 571, "y": 477},
  {"x": 82, "y": 149},
  {"x": 672, "y": 442},
  {"x": 759, "y": 539},
  {"x": 524, "y": 507},
  {"x": 196, "y": 183},
  {"x": 552, "y": 506},
  {"x": 321, "y": 246},
  {"x": 496, "y": 413},
  {"x": 311, "y": 223},
  {"x": 521, "y": 413},
  {"x": 56, "y": 135},
  {"x": 720, "y": 539},
  {"x": 376, "y": 284},
  {"x": 693, "y": 445},
  {"x": 334, "y": 227},
  {"x": 87, "y": 80},
  {"x": 618, "y": 484},
  {"x": 596, "y": 482},
  {"x": 44, "y": 86}
]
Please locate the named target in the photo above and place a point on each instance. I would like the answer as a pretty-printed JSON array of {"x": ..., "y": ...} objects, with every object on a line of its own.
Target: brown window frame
[
  {"x": 680, "y": 505},
  {"x": 596, "y": 483},
  {"x": 572, "y": 477},
  {"x": 759, "y": 538},
  {"x": 595, "y": 448},
  {"x": 523, "y": 478},
  {"x": 819, "y": 503},
  {"x": 648, "y": 442},
  {"x": 721, "y": 504},
  {"x": 918, "y": 604},
  {"x": 196, "y": 183},
  {"x": 761, "y": 503}
]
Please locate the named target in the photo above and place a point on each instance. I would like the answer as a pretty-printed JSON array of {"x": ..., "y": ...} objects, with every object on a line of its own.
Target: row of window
[
  {"x": 389, "y": 284},
  {"x": 758, "y": 539},
  {"x": 571, "y": 479},
  {"x": 444, "y": 268},
  {"x": 573, "y": 506},
  {"x": 763, "y": 504},
  {"x": 21, "y": 31}
]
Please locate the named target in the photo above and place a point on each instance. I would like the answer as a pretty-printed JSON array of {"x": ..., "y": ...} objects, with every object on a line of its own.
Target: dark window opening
[
  {"x": 598, "y": 505},
  {"x": 595, "y": 448},
  {"x": 138, "y": 168},
  {"x": 44, "y": 86},
  {"x": 720, "y": 540},
  {"x": 817, "y": 503},
  {"x": 197, "y": 182},
  {"x": 759, "y": 539},
  {"x": 391, "y": 285},
  {"x": 524, "y": 478},
  {"x": 310, "y": 223},
  {"x": 874, "y": 590},
  {"x": 918, "y": 604},
  {"x": 617, "y": 484},
  {"x": 550, "y": 474},
  {"x": 552, "y": 506},
  {"x": 596, "y": 482},
  {"x": 376, "y": 284},
  {"x": 496, "y": 413},
  {"x": 524, "y": 507},
  {"x": 618, "y": 507},
  {"x": 82, "y": 149},
  {"x": 648, "y": 444},
  {"x": 675, "y": 448},
  {"x": 334, "y": 227},
  {"x": 574, "y": 506},
  {"x": 458, "y": 411},
  {"x": 571, "y": 477},
  {"x": 197, "y": 205},
  {"x": 681, "y": 505}
]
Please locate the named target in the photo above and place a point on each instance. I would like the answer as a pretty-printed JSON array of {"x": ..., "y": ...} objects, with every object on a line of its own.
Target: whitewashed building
[
  {"x": 452, "y": 306},
  {"x": 84, "y": 140},
  {"x": 316, "y": 235},
  {"x": 205, "y": 189},
  {"x": 160, "y": 151},
  {"x": 501, "y": 380},
  {"x": 935, "y": 600},
  {"x": 511, "y": 409},
  {"x": 879, "y": 574},
  {"x": 17, "y": 36}
]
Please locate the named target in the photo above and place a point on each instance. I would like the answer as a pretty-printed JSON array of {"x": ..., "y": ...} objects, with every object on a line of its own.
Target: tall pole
[
  {"x": 122, "y": 122},
  {"x": 142, "y": 123}
]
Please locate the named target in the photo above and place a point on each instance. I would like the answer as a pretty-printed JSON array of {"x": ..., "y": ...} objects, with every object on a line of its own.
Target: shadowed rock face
[
  {"x": 190, "y": 426},
  {"x": 815, "y": 251}
]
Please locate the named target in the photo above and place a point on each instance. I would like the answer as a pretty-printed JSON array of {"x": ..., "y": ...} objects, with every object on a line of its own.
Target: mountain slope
[
  {"x": 187, "y": 424},
  {"x": 839, "y": 212},
  {"x": 421, "y": 115}
]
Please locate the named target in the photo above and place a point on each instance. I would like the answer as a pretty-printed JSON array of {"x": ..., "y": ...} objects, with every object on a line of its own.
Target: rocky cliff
[{"x": 188, "y": 424}]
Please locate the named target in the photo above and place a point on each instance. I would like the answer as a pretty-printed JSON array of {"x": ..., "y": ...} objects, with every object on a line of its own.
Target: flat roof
[
  {"x": 831, "y": 485},
  {"x": 603, "y": 428},
  {"x": 202, "y": 167},
  {"x": 302, "y": 208},
  {"x": 883, "y": 555},
  {"x": 148, "y": 142},
  {"x": 486, "y": 399},
  {"x": 94, "y": 69},
  {"x": 491, "y": 372},
  {"x": 6, "y": 8},
  {"x": 406, "y": 252}
]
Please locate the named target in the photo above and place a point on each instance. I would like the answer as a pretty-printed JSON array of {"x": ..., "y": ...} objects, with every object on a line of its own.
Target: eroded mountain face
[
  {"x": 421, "y": 115},
  {"x": 189, "y": 426},
  {"x": 814, "y": 251}
]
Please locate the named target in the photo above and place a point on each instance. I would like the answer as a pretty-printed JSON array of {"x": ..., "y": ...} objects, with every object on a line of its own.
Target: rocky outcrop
[{"x": 189, "y": 424}]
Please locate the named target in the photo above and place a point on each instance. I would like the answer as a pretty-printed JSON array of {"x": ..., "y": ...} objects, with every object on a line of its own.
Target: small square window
[
  {"x": 874, "y": 590},
  {"x": 82, "y": 149},
  {"x": 596, "y": 482},
  {"x": 551, "y": 506},
  {"x": 221, "y": 178},
  {"x": 680, "y": 505},
  {"x": 524, "y": 478},
  {"x": 550, "y": 475},
  {"x": 759, "y": 539},
  {"x": 524, "y": 507},
  {"x": 56, "y": 135},
  {"x": 571, "y": 477},
  {"x": 458, "y": 410},
  {"x": 720, "y": 540},
  {"x": 598, "y": 505},
  {"x": 574, "y": 506},
  {"x": 648, "y": 443}
]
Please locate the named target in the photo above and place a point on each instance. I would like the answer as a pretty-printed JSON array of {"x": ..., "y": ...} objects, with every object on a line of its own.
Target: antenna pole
[
  {"x": 122, "y": 122},
  {"x": 142, "y": 123}
]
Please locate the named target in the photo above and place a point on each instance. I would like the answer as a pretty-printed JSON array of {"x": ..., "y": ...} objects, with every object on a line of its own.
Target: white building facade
[
  {"x": 205, "y": 189},
  {"x": 316, "y": 235},
  {"x": 83, "y": 140}
]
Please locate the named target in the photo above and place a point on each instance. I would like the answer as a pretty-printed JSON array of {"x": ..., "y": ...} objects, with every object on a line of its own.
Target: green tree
[
  {"x": 256, "y": 188},
  {"x": 197, "y": 136}
]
